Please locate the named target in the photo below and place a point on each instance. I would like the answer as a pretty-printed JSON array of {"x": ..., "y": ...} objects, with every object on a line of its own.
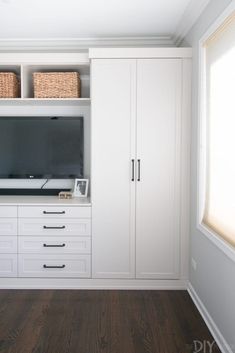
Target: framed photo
[{"x": 80, "y": 188}]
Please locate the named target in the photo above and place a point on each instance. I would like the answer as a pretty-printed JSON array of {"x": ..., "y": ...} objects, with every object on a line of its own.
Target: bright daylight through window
[{"x": 219, "y": 206}]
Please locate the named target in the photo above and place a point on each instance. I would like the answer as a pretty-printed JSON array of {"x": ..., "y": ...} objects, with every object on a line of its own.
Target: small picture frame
[{"x": 80, "y": 188}]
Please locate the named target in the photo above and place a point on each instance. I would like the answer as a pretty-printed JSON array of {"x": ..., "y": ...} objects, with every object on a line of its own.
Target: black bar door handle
[
  {"x": 138, "y": 162},
  {"x": 54, "y": 246},
  {"x": 46, "y": 266},
  {"x": 132, "y": 170},
  {"x": 50, "y": 212},
  {"x": 46, "y": 227}
]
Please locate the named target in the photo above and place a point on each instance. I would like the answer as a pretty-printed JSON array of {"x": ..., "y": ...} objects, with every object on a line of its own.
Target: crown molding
[
  {"x": 81, "y": 44},
  {"x": 189, "y": 18},
  {"x": 133, "y": 53}
]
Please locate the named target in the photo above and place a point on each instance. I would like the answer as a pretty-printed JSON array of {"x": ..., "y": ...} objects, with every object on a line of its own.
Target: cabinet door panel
[
  {"x": 54, "y": 265},
  {"x": 8, "y": 265},
  {"x": 113, "y": 147},
  {"x": 8, "y": 245},
  {"x": 8, "y": 226},
  {"x": 54, "y": 212},
  {"x": 8, "y": 211},
  {"x": 52, "y": 245},
  {"x": 158, "y": 149},
  {"x": 54, "y": 226}
]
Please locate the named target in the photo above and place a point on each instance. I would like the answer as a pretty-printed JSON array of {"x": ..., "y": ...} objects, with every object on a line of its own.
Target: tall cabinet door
[
  {"x": 158, "y": 154},
  {"x": 113, "y": 149}
]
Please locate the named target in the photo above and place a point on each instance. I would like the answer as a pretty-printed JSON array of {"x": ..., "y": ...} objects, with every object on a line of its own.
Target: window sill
[{"x": 218, "y": 241}]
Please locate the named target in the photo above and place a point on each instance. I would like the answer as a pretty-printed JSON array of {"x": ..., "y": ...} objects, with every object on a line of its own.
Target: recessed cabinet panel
[
  {"x": 52, "y": 245},
  {"x": 8, "y": 244},
  {"x": 113, "y": 147},
  {"x": 51, "y": 226},
  {"x": 8, "y": 265},
  {"x": 8, "y": 211},
  {"x": 158, "y": 155},
  {"x": 54, "y": 265},
  {"x": 54, "y": 212},
  {"x": 8, "y": 226}
]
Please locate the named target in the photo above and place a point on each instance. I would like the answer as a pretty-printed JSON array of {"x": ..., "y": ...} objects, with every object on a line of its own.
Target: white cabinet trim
[{"x": 138, "y": 53}]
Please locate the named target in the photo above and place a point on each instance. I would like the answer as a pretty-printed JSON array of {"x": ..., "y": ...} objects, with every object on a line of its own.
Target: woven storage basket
[
  {"x": 9, "y": 85},
  {"x": 56, "y": 85}
]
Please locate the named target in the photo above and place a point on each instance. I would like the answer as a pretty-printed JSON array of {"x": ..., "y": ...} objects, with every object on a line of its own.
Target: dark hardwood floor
[{"x": 48, "y": 321}]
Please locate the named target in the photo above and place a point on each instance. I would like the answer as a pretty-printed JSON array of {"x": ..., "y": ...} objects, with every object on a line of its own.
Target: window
[{"x": 218, "y": 206}]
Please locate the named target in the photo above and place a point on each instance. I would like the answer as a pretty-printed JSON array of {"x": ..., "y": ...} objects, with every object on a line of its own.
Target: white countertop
[{"x": 42, "y": 200}]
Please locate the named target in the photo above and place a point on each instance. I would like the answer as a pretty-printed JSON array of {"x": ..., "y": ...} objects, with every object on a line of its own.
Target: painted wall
[{"x": 214, "y": 278}]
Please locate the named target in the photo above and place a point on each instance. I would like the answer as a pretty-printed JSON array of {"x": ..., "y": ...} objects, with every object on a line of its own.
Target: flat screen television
[{"x": 41, "y": 147}]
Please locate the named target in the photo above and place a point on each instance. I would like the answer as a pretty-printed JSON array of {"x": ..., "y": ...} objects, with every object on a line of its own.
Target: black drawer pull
[
  {"x": 46, "y": 227},
  {"x": 54, "y": 246},
  {"x": 58, "y": 212},
  {"x": 46, "y": 266}
]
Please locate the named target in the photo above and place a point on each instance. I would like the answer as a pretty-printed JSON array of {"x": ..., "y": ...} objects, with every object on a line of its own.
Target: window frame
[{"x": 214, "y": 237}]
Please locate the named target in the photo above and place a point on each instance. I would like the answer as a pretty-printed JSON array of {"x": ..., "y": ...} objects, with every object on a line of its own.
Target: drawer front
[
  {"x": 8, "y": 226},
  {"x": 8, "y": 265},
  {"x": 54, "y": 266},
  {"x": 52, "y": 245},
  {"x": 8, "y": 245},
  {"x": 54, "y": 227},
  {"x": 8, "y": 211},
  {"x": 54, "y": 212}
]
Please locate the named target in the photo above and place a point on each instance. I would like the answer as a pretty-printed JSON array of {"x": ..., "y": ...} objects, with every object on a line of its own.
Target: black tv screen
[{"x": 41, "y": 147}]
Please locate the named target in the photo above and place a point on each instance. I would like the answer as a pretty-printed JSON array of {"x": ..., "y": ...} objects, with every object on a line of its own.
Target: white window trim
[{"x": 201, "y": 152}]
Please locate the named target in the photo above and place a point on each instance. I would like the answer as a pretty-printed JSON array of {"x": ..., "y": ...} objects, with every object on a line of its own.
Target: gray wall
[{"x": 214, "y": 278}]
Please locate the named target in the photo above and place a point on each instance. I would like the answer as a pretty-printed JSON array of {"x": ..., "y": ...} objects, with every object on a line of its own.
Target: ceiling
[{"x": 74, "y": 19}]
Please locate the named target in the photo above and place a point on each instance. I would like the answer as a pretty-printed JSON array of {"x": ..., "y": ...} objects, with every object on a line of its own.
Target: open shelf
[
  {"x": 45, "y": 101},
  {"x": 28, "y": 70},
  {"x": 25, "y": 75}
]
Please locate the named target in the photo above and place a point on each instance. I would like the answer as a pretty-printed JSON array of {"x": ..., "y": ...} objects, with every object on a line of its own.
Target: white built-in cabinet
[
  {"x": 134, "y": 231},
  {"x": 8, "y": 241},
  {"x": 138, "y": 158},
  {"x": 50, "y": 240}
]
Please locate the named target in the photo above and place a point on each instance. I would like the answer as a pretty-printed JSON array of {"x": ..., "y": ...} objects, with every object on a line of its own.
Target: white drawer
[
  {"x": 54, "y": 265},
  {"x": 57, "y": 227},
  {"x": 54, "y": 212},
  {"x": 8, "y": 226},
  {"x": 8, "y": 265},
  {"x": 8, "y": 211},
  {"x": 8, "y": 245},
  {"x": 52, "y": 245}
]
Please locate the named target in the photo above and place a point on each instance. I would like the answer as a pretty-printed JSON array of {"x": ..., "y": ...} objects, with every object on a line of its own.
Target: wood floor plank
[{"x": 100, "y": 321}]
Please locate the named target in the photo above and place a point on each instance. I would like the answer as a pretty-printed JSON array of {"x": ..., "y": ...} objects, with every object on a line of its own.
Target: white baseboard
[
  {"x": 219, "y": 338},
  {"x": 79, "y": 283}
]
